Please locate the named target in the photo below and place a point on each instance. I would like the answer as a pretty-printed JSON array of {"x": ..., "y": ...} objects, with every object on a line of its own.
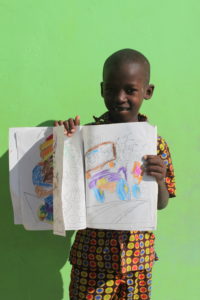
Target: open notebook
[{"x": 93, "y": 179}]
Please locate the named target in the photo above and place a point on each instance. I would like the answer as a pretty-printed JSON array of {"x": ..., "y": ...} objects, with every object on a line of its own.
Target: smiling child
[{"x": 113, "y": 264}]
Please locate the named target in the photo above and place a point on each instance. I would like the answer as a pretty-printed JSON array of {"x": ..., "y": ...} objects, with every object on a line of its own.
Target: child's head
[{"x": 126, "y": 75}]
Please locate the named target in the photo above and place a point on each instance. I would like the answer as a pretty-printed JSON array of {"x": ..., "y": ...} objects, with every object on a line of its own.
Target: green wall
[{"x": 51, "y": 57}]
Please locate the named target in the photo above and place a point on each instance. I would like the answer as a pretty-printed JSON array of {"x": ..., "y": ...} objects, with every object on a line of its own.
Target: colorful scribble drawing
[
  {"x": 42, "y": 177},
  {"x": 137, "y": 173},
  {"x": 105, "y": 180}
]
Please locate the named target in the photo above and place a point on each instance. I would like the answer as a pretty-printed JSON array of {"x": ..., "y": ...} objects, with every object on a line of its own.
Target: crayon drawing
[
  {"x": 100, "y": 155},
  {"x": 110, "y": 181},
  {"x": 42, "y": 178},
  {"x": 98, "y": 181},
  {"x": 101, "y": 180},
  {"x": 31, "y": 176},
  {"x": 137, "y": 173},
  {"x": 118, "y": 194}
]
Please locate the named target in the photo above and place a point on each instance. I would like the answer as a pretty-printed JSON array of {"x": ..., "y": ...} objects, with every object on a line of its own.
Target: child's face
[{"x": 123, "y": 89}]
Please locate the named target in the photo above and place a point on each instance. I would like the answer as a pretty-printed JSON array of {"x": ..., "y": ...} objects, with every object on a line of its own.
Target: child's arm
[
  {"x": 154, "y": 166},
  {"x": 69, "y": 125}
]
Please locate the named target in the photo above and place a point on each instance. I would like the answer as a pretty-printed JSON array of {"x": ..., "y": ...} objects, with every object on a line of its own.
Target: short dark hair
[{"x": 127, "y": 56}]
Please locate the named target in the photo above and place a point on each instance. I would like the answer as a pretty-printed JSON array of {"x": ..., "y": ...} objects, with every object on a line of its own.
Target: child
[{"x": 113, "y": 264}]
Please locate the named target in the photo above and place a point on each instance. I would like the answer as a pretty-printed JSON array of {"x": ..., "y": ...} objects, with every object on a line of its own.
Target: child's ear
[
  {"x": 149, "y": 92},
  {"x": 101, "y": 85}
]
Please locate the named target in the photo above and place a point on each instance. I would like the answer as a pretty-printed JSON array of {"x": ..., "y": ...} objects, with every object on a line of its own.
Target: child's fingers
[
  {"x": 153, "y": 160},
  {"x": 151, "y": 157},
  {"x": 71, "y": 125},
  {"x": 148, "y": 156},
  {"x": 60, "y": 123},
  {"x": 68, "y": 131},
  {"x": 77, "y": 120},
  {"x": 158, "y": 176},
  {"x": 66, "y": 127},
  {"x": 154, "y": 169}
]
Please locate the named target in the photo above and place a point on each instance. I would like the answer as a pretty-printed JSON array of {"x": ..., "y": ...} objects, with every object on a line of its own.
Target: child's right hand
[{"x": 69, "y": 125}]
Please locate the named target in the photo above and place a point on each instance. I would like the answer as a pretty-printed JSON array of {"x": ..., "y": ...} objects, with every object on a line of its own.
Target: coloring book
[{"x": 92, "y": 179}]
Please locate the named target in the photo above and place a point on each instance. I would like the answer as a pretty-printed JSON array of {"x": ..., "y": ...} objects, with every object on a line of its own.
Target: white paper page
[
  {"x": 117, "y": 196},
  {"x": 14, "y": 176},
  {"x": 34, "y": 162},
  {"x": 73, "y": 184},
  {"x": 58, "y": 223}
]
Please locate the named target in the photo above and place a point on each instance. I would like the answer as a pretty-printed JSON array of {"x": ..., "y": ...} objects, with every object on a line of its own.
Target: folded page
[{"x": 72, "y": 185}]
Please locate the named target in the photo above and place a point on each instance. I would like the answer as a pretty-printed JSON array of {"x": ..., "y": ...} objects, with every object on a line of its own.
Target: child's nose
[{"x": 121, "y": 96}]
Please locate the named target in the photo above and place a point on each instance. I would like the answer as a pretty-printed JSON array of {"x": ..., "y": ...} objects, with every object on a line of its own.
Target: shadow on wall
[{"x": 30, "y": 260}]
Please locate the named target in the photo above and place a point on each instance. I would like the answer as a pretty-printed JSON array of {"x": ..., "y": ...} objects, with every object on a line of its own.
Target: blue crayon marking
[
  {"x": 38, "y": 177},
  {"x": 136, "y": 191},
  {"x": 92, "y": 151},
  {"x": 99, "y": 196},
  {"x": 121, "y": 189}
]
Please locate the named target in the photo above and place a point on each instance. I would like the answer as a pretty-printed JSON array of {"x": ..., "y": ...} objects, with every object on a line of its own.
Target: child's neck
[{"x": 133, "y": 119}]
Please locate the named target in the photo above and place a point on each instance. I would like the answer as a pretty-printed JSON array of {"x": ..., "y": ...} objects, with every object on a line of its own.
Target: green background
[{"x": 51, "y": 57}]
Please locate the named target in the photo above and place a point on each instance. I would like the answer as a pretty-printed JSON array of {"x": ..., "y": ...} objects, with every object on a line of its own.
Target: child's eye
[{"x": 130, "y": 91}]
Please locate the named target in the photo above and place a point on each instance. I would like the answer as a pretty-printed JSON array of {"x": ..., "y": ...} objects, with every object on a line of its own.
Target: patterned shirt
[{"x": 120, "y": 250}]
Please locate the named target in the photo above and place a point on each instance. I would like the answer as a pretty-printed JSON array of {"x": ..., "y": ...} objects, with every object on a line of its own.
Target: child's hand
[
  {"x": 69, "y": 125},
  {"x": 154, "y": 166}
]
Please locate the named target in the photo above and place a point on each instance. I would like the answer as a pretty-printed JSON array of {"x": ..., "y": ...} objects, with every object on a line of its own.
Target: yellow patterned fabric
[
  {"x": 121, "y": 251},
  {"x": 90, "y": 285}
]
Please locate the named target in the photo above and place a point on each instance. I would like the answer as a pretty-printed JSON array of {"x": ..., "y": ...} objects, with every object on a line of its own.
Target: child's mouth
[{"x": 121, "y": 108}]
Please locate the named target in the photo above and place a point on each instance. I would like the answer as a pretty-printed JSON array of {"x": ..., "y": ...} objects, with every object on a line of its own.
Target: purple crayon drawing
[
  {"x": 110, "y": 181},
  {"x": 106, "y": 180}
]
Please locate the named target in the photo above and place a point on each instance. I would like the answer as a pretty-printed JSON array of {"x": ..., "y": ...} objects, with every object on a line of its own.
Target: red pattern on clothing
[
  {"x": 121, "y": 251},
  {"x": 90, "y": 285}
]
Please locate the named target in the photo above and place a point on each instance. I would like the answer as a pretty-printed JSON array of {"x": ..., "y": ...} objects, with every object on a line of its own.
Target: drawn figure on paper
[
  {"x": 106, "y": 180},
  {"x": 42, "y": 177},
  {"x": 137, "y": 173}
]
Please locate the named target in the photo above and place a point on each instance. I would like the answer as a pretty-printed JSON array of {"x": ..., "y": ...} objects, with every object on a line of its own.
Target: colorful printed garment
[
  {"x": 120, "y": 253},
  {"x": 91, "y": 285}
]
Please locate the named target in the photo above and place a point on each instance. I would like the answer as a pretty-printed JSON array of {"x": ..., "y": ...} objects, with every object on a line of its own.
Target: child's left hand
[{"x": 154, "y": 166}]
